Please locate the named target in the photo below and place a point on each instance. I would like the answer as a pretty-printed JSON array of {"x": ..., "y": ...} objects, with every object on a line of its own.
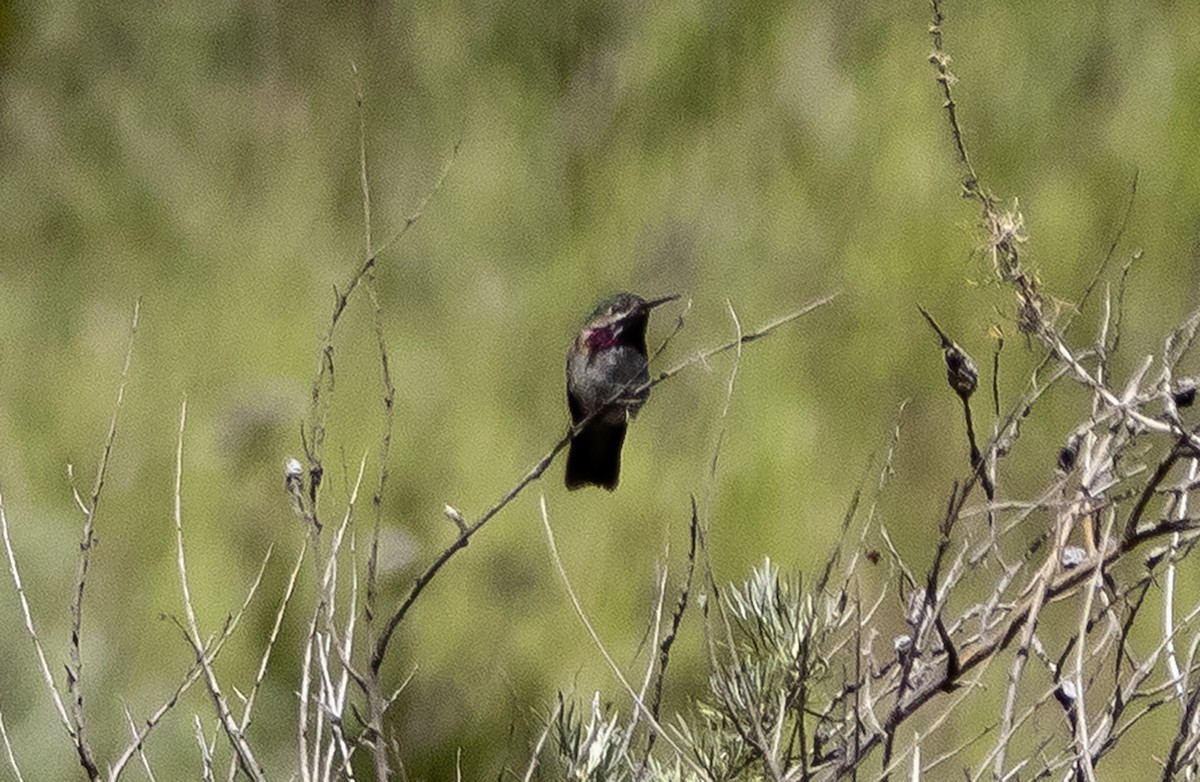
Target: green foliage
[
  {"x": 591, "y": 752},
  {"x": 763, "y": 670}
]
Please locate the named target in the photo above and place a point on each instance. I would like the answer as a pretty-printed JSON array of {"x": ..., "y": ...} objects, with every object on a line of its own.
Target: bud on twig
[
  {"x": 1069, "y": 452},
  {"x": 455, "y": 515},
  {"x": 961, "y": 372},
  {"x": 293, "y": 481},
  {"x": 1183, "y": 392}
]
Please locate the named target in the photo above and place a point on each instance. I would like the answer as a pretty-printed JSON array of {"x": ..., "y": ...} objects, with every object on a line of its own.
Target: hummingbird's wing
[{"x": 576, "y": 405}]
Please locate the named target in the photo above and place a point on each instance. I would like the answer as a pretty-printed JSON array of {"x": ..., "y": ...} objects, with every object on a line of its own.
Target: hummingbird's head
[{"x": 621, "y": 319}]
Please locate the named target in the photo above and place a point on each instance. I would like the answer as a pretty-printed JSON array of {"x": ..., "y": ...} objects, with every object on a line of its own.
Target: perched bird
[{"x": 607, "y": 369}]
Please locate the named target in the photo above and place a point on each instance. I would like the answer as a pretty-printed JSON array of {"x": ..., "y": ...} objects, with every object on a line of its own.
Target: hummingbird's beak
[{"x": 655, "y": 302}]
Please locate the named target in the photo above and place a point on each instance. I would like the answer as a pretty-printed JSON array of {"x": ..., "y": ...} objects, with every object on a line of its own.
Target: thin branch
[
  {"x": 8, "y": 751},
  {"x": 260, "y": 675},
  {"x": 314, "y": 433},
  {"x": 245, "y": 755},
  {"x": 75, "y": 669},
  {"x": 133, "y": 729},
  {"x": 1112, "y": 248},
  {"x": 541, "y": 742},
  {"x": 1181, "y": 505},
  {"x": 664, "y": 650},
  {"x": 47, "y": 677},
  {"x": 1084, "y": 756},
  {"x": 655, "y": 633},
  {"x": 192, "y": 676},
  {"x": 206, "y": 769}
]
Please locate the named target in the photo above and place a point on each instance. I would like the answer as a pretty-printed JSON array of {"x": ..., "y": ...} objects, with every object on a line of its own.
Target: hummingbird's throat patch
[{"x": 601, "y": 338}]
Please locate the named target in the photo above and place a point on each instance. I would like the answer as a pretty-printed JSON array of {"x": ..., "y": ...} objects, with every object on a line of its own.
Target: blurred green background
[{"x": 204, "y": 157}]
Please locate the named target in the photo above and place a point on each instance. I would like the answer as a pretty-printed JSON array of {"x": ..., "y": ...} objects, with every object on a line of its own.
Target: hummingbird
[{"x": 607, "y": 374}]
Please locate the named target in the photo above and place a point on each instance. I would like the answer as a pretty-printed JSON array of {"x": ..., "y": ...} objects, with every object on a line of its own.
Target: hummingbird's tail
[{"x": 595, "y": 455}]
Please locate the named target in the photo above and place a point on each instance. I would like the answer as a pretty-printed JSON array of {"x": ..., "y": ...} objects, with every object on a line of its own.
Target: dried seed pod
[
  {"x": 1183, "y": 392},
  {"x": 1069, "y": 452},
  {"x": 961, "y": 372}
]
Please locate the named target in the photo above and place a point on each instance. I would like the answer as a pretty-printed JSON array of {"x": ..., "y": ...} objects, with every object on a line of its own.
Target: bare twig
[
  {"x": 1181, "y": 505},
  {"x": 260, "y": 675},
  {"x": 1083, "y": 753},
  {"x": 664, "y": 650},
  {"x": 541, "y": 742},
  {"x": 192, "y": 676},
  {"x": 47, "y": 677},
  {"x": 655, "y": 633},
  {"x": 8, "y": 751},
  {"x": 245, "y": 755},
  {"x": 313, "y": 433},
  {"x": 75, "y": 669},
  {"x": 75, "y": 722},
  {"x": 133, "y": 729}
]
